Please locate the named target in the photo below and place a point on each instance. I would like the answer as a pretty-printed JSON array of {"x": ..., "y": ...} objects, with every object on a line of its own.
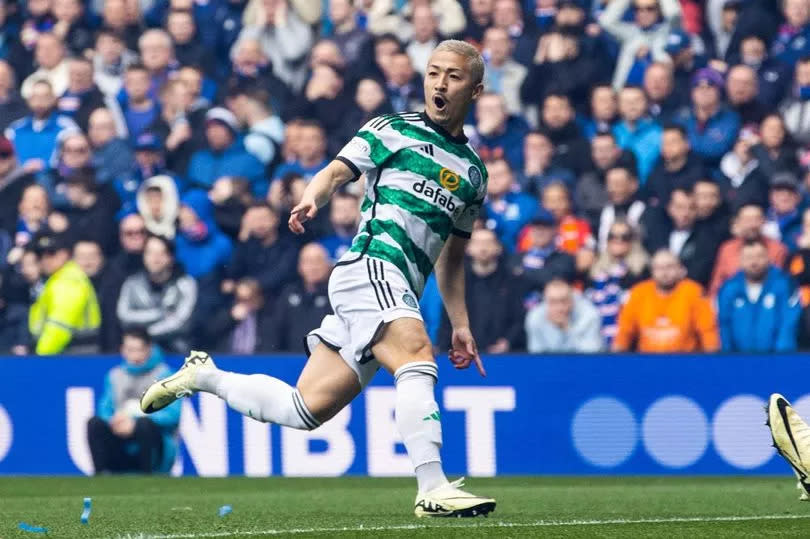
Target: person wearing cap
[
  {"x": 542, "y": 261},
  {"x": 684, "y": 60},
  {"x": 652, "y": 23},
  {"x": 785, "y": 211},
  {"x": 758, "y": 308},
  {"x": 225, "y": 155},
  {"x": 66, "y": 317},
  {"x": 712, "y": 127}
]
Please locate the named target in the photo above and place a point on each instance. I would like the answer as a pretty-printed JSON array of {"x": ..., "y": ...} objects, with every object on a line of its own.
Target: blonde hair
[
  {"x": 474, "y": 60},
  {"x": 636, "y": 260}
]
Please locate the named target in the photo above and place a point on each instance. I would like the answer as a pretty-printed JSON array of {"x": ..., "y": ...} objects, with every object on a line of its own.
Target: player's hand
[
  {"x": 306, "y": 210},
  {"x": 464, "y": 351}
]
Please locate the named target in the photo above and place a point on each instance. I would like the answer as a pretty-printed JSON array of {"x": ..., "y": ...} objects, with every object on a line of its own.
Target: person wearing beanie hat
[
  {"x": 223, "y": 117},
  {"x": 225, "y": 155},
  {"x": 712, "y": 126}
]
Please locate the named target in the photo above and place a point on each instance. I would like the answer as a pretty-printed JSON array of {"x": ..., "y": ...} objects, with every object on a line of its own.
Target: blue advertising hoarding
[{"x": 601, "y": 414}]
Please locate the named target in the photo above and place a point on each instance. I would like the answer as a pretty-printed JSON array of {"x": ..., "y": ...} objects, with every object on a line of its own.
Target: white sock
[
  {"x": 258, "y": 396},
  {"x": 417, "y": 416}
]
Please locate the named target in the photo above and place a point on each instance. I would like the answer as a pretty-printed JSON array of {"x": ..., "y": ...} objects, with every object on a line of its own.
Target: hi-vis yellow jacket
[{"x": 66, "y": 312}]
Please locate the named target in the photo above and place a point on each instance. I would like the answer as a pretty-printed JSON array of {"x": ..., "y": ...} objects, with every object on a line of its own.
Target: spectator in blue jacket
[
  {"x": 498, "y": 134},
  {"x": 758, "y": 307},
  {"x": 121, "y": 438},
  {"x": 636, "y": 131},
  {"x": 507, "y": 210},
  {"x": 793, "y": 40},
  {"x": 201, "y": 246},
  {"x": 225, "y": 156},
  {"x": 712, "y": 126},
  {"x": 774, "y": 76},
  {"x": 139, "y": 107},
  {"x": 35, "y": 136}
]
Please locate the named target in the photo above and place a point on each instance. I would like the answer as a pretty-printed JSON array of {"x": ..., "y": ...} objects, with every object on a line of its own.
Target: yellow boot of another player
[
  {"x": 791, "y": 438},
  {"x": 180, "y": 384},
  {"x": 450, "y": 501}
]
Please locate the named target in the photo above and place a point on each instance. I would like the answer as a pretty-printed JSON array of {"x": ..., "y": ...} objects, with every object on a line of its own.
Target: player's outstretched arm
[
  {"x": 450, "y": 278},
  {"x": 317, "y": 193}
]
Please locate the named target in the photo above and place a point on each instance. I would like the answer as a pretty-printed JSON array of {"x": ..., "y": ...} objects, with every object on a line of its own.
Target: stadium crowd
[{"x": 648, "y": 162}]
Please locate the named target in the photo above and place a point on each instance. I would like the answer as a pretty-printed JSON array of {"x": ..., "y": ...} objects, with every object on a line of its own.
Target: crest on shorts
[
  {"x": 449, "y": 179},
  {"x": 409, "y": 300},
  {"x": 475, "y": 177}
]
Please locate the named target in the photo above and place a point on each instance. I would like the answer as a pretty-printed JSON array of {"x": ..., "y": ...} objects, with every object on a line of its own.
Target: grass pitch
[{"x": 159, "y": 507}]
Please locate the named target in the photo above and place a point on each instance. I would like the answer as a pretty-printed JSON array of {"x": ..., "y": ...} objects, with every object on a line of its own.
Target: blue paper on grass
[
  {"x": 33, "y": 529},
  {"x": 86, "y": 513},
  {"x": 224, "y": 510}
]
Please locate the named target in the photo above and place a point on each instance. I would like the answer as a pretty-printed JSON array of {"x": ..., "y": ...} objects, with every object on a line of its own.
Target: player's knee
[{"x": 422, "y": 370}]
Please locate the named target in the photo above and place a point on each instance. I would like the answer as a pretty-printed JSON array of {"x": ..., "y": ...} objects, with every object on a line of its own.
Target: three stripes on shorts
[{"x": 376, "y": 275}]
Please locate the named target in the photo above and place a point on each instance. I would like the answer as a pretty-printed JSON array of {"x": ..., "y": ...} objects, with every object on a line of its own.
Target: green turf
[{"x": 527, "y": 507}]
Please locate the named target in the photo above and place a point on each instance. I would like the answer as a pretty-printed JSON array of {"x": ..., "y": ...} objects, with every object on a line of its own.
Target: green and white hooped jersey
[{"x": 422, "y": 184}]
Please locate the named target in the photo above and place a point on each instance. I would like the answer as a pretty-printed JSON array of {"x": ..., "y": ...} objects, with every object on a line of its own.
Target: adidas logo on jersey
[
  {"x": 436, "y": 194},
  {"x": 428, "y": 149}
]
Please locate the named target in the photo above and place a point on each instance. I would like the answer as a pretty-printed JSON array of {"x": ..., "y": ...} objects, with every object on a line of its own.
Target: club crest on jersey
[
  {"x": 475, "y": 177},
  {"x": 449, "y": 179},
  {"x": 436, "y": 194}
]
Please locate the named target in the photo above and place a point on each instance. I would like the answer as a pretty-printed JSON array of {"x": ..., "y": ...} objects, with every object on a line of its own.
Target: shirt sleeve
[
  {"x": 463, "y": 226},
  {"x": 373, "y": 144}
]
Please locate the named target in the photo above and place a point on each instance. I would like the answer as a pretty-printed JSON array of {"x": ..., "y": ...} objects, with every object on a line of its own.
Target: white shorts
[{"x": 365, "y": 295}]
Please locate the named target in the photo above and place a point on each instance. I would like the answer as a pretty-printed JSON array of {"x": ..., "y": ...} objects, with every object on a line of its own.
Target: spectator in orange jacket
[
  {"x": 667, "y": 313},
  {"x": 747, "y": 225}
]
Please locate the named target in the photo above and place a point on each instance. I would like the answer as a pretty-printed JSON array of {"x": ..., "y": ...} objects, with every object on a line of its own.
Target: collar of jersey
[{"x": 461, "y": 139}]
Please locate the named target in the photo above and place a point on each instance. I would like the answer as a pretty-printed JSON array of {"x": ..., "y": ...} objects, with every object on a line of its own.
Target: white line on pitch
[{"x": 537, "y": 524}]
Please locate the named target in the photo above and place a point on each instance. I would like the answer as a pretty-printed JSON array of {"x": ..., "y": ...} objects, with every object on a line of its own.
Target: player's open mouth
[{"x": 439, "y": 101}]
